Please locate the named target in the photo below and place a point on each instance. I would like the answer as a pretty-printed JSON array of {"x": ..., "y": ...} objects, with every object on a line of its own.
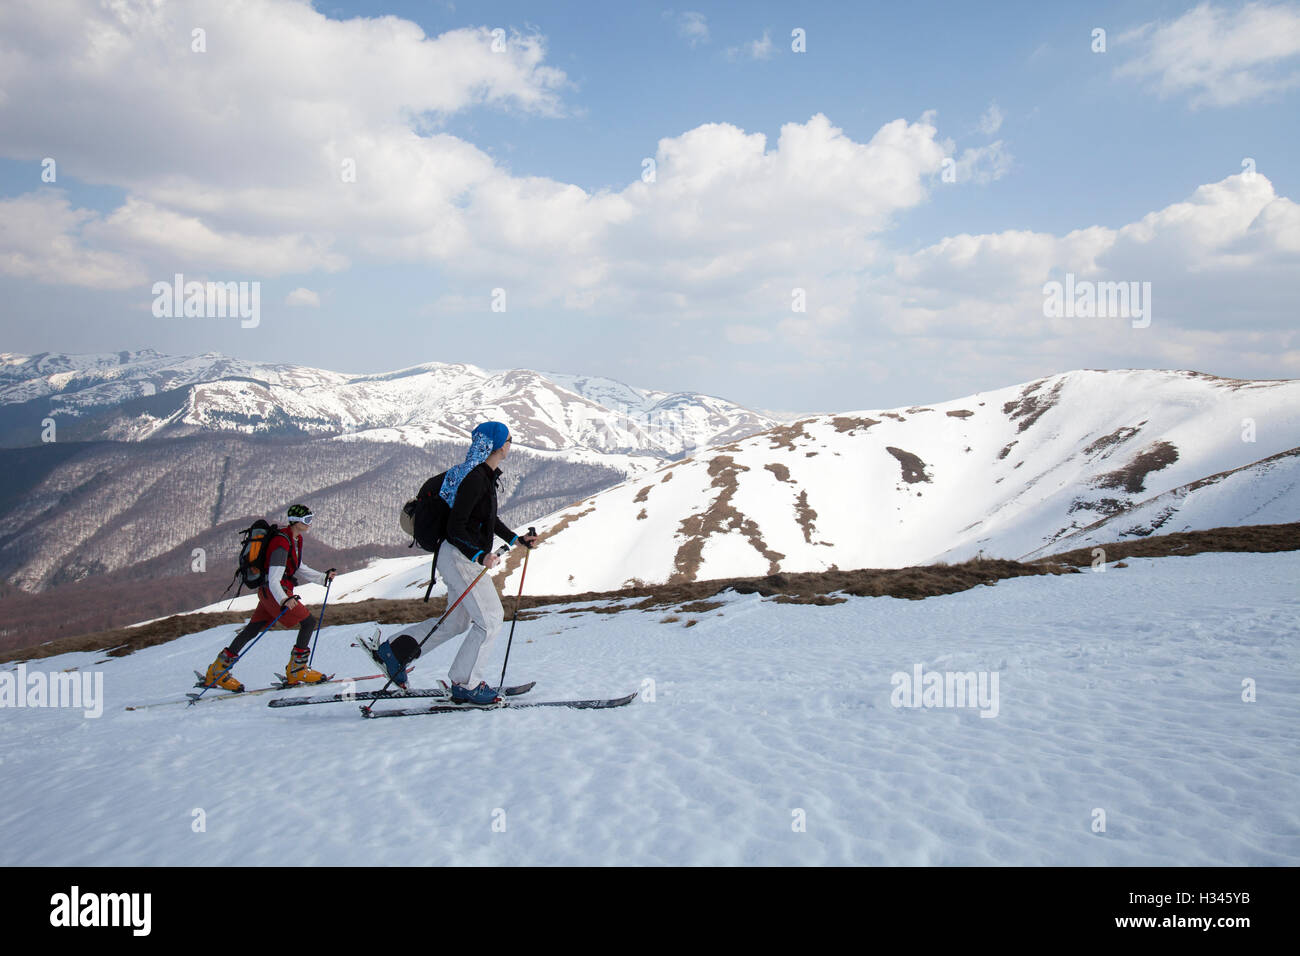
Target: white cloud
[
  {"x": 303, "y": 297},
  {"x": 731, "y": 225},
  {"x": 304, "y": 100},
  {"x": 760, "y": 49},
  {"x": 180, "y": 241},
  {"x": 281, "y": 96},
  {"x": 991, "y": 121},
  {"x": 984, "y": 164},
  {"x": 1219, "y": 57},
  {"x": 1222, "y": 267},
  {"x": 693, "y": 28},
  {"x": 41, "y": 239}
]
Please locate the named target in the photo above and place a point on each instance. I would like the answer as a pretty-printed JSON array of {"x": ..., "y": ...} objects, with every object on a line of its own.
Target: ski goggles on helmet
[{"x": 300, "y": 513}]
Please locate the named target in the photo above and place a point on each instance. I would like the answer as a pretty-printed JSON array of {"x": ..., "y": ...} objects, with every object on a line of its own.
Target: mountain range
[
  {"x": 158, "y": 456},
  {"x": 134, "y": 396},
  {"x": 1072, "y": 460},
  {"x": 125, "y": 467}
]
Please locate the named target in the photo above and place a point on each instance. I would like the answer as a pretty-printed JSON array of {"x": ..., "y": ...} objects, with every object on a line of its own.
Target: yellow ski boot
[
  {"x": 219, "y": 675},
  {"x": 298, "y": 672}
]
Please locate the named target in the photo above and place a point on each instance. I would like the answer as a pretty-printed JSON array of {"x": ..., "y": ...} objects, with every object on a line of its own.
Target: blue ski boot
[
  {"x": 480, "y": 696},
  {"x": 395, "y": 669}
]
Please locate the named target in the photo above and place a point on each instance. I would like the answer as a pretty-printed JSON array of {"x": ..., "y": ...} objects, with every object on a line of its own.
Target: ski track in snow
[{"x": 1118, "y": 690}]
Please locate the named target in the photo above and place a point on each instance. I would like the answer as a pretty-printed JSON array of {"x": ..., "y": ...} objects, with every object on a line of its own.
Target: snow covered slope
[
  {"x": 1009, "y": 472},
  {"x": 1264, "y": 492},
  {"x": 1118, "y": 692},
  {"x": 1020, "y": 472},
  {"x": 132, "y": 396}
]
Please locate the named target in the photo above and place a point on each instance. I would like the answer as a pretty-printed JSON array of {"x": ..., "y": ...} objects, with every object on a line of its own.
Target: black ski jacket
[{"x": 473, "y": 518}]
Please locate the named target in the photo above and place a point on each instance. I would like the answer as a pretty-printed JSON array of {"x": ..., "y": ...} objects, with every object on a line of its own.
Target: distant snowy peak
[{"x": 428, "y": 402}]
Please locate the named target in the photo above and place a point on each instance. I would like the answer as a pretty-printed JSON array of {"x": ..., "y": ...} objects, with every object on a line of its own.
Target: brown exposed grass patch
[
  {"x": 784, "y": 436},
  {"x": 1104, "y": 506},
  {"x": 781, "y": 471},
  {"x": 959, "y": 413},
  {"x": 1119, "y": 435},
  {"x": 821, "y": 599},
  {"x": 666, "y": 478},
  {"x": 720, "y": 515},
  {"x": 641, "y": 516},
  {"x": 913, "y": 467},
  {"x": 1006, "y": 451},
  {"x": 845, "y": 423},
  {"x": 1262, "y": 538},
  {"x": 806, "y": 516},
  {"x": 917, "y": 411},
  {"x": 1133, "y": 475},
  {"x": 1236, "y": 383},
  {"x": 642, "y": 495},
  {"x": 700, "y": 607},
  {"x": 1030, "y": 407},
  {"x": 894, "y": 415}
]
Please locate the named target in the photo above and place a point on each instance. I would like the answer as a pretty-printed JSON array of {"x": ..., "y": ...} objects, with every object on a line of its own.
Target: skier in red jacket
[{"x": 284, "y": 568}]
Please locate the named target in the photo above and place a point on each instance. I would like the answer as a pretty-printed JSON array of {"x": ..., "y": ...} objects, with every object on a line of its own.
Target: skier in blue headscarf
[{"x": 470, "y": 490}]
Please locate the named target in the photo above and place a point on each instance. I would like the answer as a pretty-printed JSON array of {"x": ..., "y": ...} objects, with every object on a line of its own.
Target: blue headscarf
[{"x": 484, "y": 440}]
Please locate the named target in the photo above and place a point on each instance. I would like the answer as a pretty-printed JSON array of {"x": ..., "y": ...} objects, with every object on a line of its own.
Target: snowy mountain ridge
[
  {"x": 1006, "y": 473},
  {"x": 1077, "y": 458},
  {"x": 135, "y": 396}
]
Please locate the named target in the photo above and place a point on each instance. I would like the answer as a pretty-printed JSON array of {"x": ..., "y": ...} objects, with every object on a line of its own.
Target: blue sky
[{"x": 211, "y": 164}]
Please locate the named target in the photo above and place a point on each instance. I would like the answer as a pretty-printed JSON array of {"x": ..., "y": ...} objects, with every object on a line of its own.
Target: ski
[
  {"x": 501, "y": 705},
  {"x": 395, "y": 694},
  {"x": 192, "y": 698}
]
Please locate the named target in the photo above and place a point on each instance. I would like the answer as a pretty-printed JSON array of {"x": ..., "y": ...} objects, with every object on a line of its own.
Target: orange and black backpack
[{"x": 253, "y": 544}]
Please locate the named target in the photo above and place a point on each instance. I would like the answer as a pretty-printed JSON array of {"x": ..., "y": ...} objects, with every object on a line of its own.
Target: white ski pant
[{"x": 481, "y": 612}]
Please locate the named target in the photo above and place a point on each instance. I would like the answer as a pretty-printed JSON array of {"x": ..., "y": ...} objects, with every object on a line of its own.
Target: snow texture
[{"x": 1119, "y": 691}]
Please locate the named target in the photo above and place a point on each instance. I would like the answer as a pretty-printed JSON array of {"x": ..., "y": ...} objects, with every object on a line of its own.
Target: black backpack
[
  {"x": 253, "y": 544},
  {"x": 424, "y": 518}
]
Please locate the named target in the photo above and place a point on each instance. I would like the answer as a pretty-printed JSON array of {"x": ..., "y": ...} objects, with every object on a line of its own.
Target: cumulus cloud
[
  {"x": 303, "y": 145},
  {"x": 180, "y": 241},
  {"x": 41, "y": 239},
  {"x": 280, "y": 97},
  {"x": 1217, "y": 56},
  {"x": 1221, "y": 264},
  {"x": 298, "y": 144}
]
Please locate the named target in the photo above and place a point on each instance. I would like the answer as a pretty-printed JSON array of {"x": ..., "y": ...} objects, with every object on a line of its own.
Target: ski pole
[
  {"x": 365, "y": 709},
  {"x": 209, "y": 687},
  {"x": 321, "y": 621},
  {"x": 532, "y": 532}
]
